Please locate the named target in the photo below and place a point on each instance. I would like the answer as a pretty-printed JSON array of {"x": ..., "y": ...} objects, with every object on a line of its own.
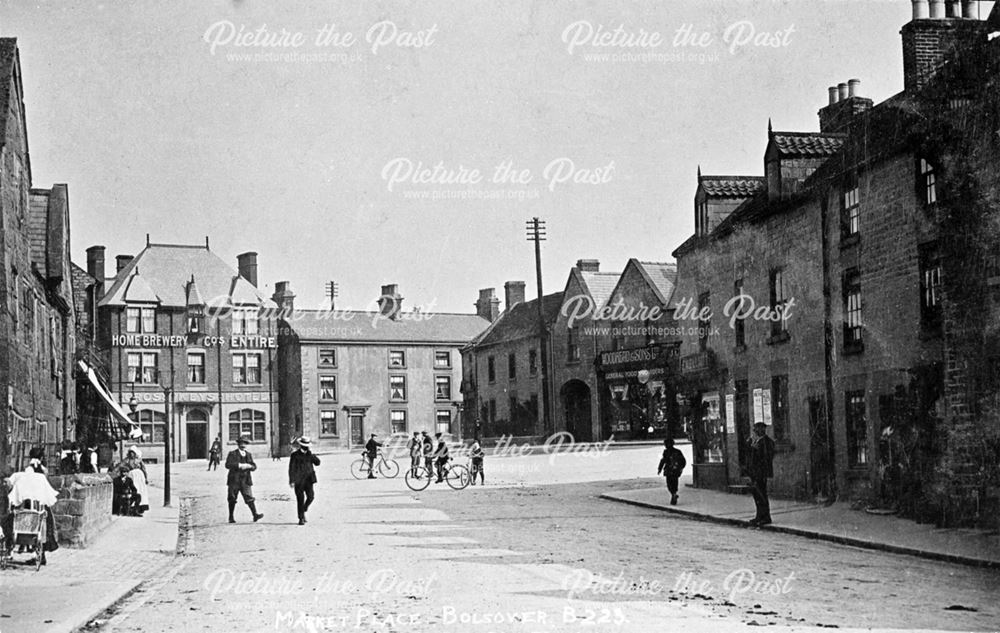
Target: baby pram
[{"x": 29, "y": 531}]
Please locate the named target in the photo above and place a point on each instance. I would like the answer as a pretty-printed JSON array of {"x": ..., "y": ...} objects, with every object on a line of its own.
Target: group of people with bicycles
[{"x": 424, "y": 455}]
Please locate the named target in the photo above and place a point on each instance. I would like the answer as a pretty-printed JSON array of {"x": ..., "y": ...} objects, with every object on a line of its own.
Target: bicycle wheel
[
  {"x": 458, "y": 477},
  {"x": 418, "y": 482},
  {"x": 388, "y": 468},
  {"x": 359, "y": 468}
]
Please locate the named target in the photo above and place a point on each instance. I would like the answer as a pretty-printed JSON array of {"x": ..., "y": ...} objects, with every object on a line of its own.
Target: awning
[{"x": 114, "y": 407}]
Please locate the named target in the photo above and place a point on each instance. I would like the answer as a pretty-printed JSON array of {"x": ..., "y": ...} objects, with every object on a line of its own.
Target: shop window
[
  {"x": 852, "y": 310},
  {"x": 249, "y": 422},
  {"x": 930, "y": 287},
  {"x": 857, "y": 428},
  {"x": 779, "y": 407},
  {"x": 142, "y": 368},
  {"x": 246, "y": 369},
  {"x": 572, "y": 345},
  {"x": 442, "y": 421},
  {"x": 532, "y": 362},
  {"x": 442, "y": 359},
  {"x": 153, "y": 425},
  {"x": 245, "y": 321},
  {"x": 397, "y": 388},
  {"x": 328, "y": 388},
  {"x": 196, "y": 368},
  {"x": 442, "y": 387},
  {"x": 398, "y": 419},
  {"x": 397, "y": 358},
  {"x": 491, "y": 369},
  {"x": 328, "y": 358},
  {"x": 710, "y": 431},
  {"x": 512, "y": 366},
  {"x": 328, "y": 423}
]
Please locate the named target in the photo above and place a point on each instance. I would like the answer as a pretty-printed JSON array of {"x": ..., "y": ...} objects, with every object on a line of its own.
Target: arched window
[
  {"x": 248, "y": 422},
  {"x": 197, "y": 415},
  {"x": 153, "y": 425}
]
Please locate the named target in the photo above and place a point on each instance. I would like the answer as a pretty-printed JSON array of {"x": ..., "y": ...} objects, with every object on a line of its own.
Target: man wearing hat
[
  {"x": 371, "y": 450},
  {"x": 759, "y": 469},
  {"x": 240, "y": 464},
  {"x": 302, "y": 475}
]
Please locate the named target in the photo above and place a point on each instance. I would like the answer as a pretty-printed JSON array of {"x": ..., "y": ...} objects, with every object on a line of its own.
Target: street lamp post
[{"x": 166, "y": 448}]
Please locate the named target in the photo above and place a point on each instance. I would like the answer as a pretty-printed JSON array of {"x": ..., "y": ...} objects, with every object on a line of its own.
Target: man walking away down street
[
  {"x": 759, "y": 469},
  {"x": 478, "y": 455},
  {"x": 441, "y": 457},
  {"x": 371, "y": 451},
  {"x": 416, "y": 448},
  {"x": 302, "y": 476},
  {"x": 671, "y": 465},
  {"x": 428, "y": 454},
  {"x": 215, "y": 453},
  {"x": 240, "y": 464}
]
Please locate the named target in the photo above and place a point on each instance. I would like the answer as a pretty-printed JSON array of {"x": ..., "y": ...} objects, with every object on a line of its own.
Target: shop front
[
  {"x": 638, "y": 393},
  {"x": 706, "y": 411}
]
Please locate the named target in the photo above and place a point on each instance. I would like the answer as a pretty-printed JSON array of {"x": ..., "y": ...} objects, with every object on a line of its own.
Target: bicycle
[
  {"x": 386, "y": 466},
  {"x": 455, "y": 475}
]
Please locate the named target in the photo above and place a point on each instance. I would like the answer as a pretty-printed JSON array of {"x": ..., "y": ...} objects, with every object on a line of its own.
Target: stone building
[
  {"x": 194, "y": 343},
  {"x": 38, "y": 322},
  {"x": 347, "y": 374},
  {"x": 502, "y": 368},
  {"x": 854, "y": 290}
]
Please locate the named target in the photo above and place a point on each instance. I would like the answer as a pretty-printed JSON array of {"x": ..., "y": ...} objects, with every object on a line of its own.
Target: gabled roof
[
  {"x": 355, "y": 326},
  {"x": 662, "y": 277},
  {"x": 731, "y": 186},
  {"x": 167, "y": 269},
  {"x": 811, "y": 144},
  {"x": 193, "y": 296},
  {"x": 137, "y": 290},
  {"x": 520, "y": 321},
  {"x": 599, "y": 285}
]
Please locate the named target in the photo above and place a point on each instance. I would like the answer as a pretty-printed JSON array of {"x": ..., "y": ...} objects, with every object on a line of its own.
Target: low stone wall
[{"x": 83, "y": 508}]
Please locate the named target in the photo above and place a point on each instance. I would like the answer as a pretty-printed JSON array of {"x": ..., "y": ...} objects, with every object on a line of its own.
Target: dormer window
[
  {"x": 195, "y": 319},
  {"x": 140, "y": 320}
]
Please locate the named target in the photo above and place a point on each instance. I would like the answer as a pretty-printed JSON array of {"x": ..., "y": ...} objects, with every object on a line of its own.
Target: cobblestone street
[{"x": 549, "y": 556}]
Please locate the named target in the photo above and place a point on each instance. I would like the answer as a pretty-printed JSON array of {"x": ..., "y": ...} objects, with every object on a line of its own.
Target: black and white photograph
[{"x": 482, "y": 316}]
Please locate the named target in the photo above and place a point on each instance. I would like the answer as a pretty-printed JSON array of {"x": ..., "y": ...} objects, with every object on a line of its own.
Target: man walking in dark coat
[
  {"x": 759, "y": 469},
  {"x": 302, "y": 476},
  {"x": 240, "y": 464},
  {"x": 671, "y": 465}
]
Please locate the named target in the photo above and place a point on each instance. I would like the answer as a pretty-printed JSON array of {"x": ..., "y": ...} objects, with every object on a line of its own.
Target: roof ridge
[
  {"x": 790, "y": 133},
  {"x": 642, "y": 261},
  {"x": 197, "y": 246},
  {"x": 731, "y": 177}
]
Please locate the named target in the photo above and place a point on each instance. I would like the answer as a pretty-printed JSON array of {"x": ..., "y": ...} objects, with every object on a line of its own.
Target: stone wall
[{"x": 83, "y": 509}]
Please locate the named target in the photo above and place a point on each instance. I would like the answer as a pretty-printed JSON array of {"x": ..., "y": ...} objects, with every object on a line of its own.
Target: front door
[
  {"x": 197, "y": 440},
  {"x": 823, "y": 477},
  {"x": 357, "y": 429},
  {"x": 742, "y": 414}
]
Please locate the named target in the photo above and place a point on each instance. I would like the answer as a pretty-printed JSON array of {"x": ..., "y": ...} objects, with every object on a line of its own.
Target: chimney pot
[
  {"x": 247, "y": 266},
  {"x": 833, "y": 94},
  {"x": 588, "y": 265},
  {"x": 390, "y": 303},
  {"x": 513, "y": 293},
  {"x": 937, "y": 9},
  {"x": 842, "y": 91},
  {"x": 284, "y": 297},
  {"x": 121, "y": 261},
  {"x": 970, "y": 10},
  {"x": 488, "y": 306},
  {"x": 920, "y": 10},
  {"x": 854, "y": 88},
  {"x": 954, "y": 8}
]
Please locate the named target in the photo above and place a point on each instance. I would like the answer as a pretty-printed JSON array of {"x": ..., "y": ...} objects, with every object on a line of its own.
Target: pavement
[
  {"x": 837, "y": 523},
  {"x": 76, "y": 585}
]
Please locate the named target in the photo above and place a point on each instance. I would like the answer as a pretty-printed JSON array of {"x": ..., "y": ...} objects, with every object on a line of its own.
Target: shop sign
[
  {"x": 762, "y": 406},
  {"x": 730, "y": 414},
  {"x": 159, "y": 340},
  {"x": 640, "y": 355},
  {"x": 228, "y": 397}
]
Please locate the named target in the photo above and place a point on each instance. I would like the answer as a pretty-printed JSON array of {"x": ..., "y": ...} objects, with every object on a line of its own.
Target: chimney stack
[
  {"x": 846, "y": 103},
  {"x": 247, "y": 265},
  {"x": 920, "y": 10},
  {"x": 929, "y": 43},
  {"x": 95, "y": 263},
  {"x": 390, "y": 304},
  {"x": 121, "y": 261},
  {"x": 284, "y": 297},
  {"x": 588, "y": 265},
  {"x": 513, "y": 293},
  {"x": 488, "y": 306}
]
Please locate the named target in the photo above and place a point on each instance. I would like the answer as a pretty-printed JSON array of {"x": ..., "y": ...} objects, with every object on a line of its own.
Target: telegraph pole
[
  {"x": 332, "y": 291},
  {"x": 536, "y": 234}
]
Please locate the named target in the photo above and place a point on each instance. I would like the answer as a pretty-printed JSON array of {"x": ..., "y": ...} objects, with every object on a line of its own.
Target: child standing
[
  {"x": 671, "y": 465},
  {"x": 477, "y": 462}
]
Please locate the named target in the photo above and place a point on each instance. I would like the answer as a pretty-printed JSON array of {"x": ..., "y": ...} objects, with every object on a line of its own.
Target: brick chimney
[
  {"x": 121, "y": 261},
  {"x": 846, "y": 103},
  {"x": 95, "y": 263},
  {"x": 390, "y": 304},
  {"x": 588, "y": 265},
  {"x": 284, "y": 297},
  {"x": 247, "y": 266},
  {"x": 488, "y": 306},
  {"x": 513, "y": 294},
  {"x": 934, "y": 35}
]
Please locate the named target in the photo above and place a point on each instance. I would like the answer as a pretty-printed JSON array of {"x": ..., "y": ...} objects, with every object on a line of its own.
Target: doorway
[
  {"x": 197, "y": 434},
  {"x": 823, "y": 475},
  {"x": 741, "y": 405},
  {"x": 576, "y": 408},
  {"x": 357, "y": 421}
]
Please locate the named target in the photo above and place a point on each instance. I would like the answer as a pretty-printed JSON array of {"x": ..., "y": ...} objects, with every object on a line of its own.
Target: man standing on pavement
[
  {"x": 441, "y": 457},
  {"x": 371, "y": 450},
  {"x": 302, "y": 476},
  {"x": 416, "y": 448},
  {"x": 240, "y": 464},
  {"x": 759, "y": 469},
  {"x": 428, "y": 453}
]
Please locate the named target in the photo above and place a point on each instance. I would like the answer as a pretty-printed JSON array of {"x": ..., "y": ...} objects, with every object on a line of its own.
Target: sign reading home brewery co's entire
[{"x": 158, "y": 340}]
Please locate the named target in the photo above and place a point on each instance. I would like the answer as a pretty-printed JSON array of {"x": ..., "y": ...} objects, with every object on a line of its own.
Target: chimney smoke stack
[
  {"x": 390, "y": 303},
  {"x": 970, "y": 10},
  {"x": 920, "y": 10},
  {"x": 488, "y": 306},
  {"x": 588, "y": 265},
  {"x": 121, "y": 261},
  {"x": 842, "y": 91},
  {"x": 284, "y": 297},
  {"x": 833, "y": 94},
  {"x": 954, "y": 8},
  {"x": 247, "y": 266},
  {"x": 854, "y": 88},
  {"x": 95, "y": 263},
  {"x": 513, "y": 293},
  {"x": 937, "y": 9}
]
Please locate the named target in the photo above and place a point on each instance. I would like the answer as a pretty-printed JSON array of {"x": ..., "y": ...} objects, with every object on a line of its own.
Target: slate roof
[
  {"x": 166, "y": 270},
  {"x": 807, "y": 143},
  {"x": 732, "y": 186},
  {"x": 521, "y": 321},
  {"x": 356, "y": 326},
  {"x": 600, "y": 286},
  {"x": 662, "y": 276}
]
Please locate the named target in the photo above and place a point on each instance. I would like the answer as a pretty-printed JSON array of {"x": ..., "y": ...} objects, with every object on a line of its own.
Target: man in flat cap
[{"x": 240, "y": 464}]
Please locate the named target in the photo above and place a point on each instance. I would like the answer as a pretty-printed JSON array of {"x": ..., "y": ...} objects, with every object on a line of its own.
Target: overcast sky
[{"x": 159, "y": 124}]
